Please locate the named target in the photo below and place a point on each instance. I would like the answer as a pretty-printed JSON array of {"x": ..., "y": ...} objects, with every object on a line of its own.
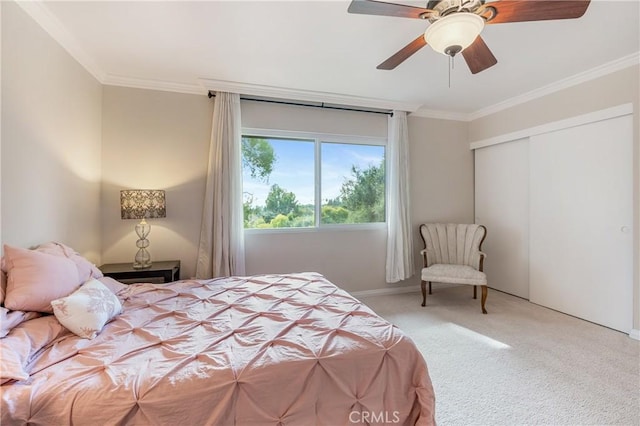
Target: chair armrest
[
  {"x": 423, "y": 252},
  {"x": 477, "y": 260},
  {"x": 481, "y": 261}
]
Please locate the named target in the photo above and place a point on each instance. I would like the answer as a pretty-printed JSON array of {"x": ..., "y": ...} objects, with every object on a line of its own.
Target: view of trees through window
[{"x": 279, "y": 183}]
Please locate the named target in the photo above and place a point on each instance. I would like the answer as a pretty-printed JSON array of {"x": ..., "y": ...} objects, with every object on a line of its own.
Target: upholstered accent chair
[{"x": 452, "y": 255}]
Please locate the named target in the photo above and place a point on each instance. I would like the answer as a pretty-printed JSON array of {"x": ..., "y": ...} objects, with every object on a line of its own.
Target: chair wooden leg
[
  {"x": 429, "y": 287},
  {"x": 484, "y": 298},
  {"x": 475, "y": 291},
  {"x": 424, "y": 292}
]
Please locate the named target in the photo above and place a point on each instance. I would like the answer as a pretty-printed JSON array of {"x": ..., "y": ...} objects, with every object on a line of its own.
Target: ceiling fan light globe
[{"x": 458, "y": 29}]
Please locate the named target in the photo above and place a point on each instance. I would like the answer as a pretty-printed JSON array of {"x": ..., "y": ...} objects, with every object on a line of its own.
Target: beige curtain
[
  {"x": 399, "y": 264},
  {"x": 221, "y": 249}
]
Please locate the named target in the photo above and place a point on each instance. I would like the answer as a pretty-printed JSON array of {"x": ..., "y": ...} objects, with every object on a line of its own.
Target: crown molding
[
  {"x": 39, "y": 12},
  {"x": 304, "y": 95},
  {"x": 592, "y": 74},
  {"x": 165, "y": 86},
  {"x": 441, "y": 115}
]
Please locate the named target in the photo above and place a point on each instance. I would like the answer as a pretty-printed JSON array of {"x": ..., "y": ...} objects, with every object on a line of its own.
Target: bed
[{"x": 288, "y": 349}]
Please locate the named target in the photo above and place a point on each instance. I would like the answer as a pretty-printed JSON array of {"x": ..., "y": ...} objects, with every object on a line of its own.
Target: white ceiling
[{"x": 317, "y": 46}]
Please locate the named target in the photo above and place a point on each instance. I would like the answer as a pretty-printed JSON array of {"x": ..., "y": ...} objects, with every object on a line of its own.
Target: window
[
  {"x": 312, "y": 181},
  {"x": 353, "y": 183}
]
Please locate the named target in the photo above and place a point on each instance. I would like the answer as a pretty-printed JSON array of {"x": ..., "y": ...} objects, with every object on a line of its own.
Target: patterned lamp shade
[{"x": 142, "y": 204}]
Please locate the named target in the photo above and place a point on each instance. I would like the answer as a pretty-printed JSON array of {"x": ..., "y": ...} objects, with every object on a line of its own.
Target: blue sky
[{"x": 294, "y": 168}]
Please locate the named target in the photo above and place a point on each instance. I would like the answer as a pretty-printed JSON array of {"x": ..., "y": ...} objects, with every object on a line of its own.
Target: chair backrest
[{"x": 451, "y": 243}]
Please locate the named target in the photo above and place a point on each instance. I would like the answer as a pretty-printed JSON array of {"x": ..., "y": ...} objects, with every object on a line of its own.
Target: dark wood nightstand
[{"x": 163, "y": 272}]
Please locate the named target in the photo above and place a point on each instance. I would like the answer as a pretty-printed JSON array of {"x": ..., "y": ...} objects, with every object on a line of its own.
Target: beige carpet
[{"x": 520, "y": 364}]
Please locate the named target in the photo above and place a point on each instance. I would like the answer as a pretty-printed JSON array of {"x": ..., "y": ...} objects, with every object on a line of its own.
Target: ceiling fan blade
[
  {"x": 401, "y": 55},
  {"x": 538, "y": 10},
  {"x": 373, "y": 7},
  {"x": 478, "y": 56}
]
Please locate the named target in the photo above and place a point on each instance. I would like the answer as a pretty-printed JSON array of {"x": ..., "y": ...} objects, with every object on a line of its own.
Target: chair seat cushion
[{"x": 454, "y": 274}]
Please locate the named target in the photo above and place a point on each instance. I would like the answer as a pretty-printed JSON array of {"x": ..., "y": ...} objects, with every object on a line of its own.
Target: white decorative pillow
[{"x": 85, "y": 311}]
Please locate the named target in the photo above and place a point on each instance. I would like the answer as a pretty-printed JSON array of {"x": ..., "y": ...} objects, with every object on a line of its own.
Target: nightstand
[{"x": 158, "y": 272}]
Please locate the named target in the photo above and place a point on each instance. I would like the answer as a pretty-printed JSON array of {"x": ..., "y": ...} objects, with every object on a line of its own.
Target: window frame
[{"x": 318, "y": 138}]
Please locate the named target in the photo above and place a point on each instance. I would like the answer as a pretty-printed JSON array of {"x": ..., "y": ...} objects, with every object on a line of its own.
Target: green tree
[
  {"x": 258, "y": 157},
  {"x": 280, "y": 221},
  {"x": 364, "y": 194},
  {"x": 248, "y": 208},
  {"x": 260, "y": 224},
  {"x": 280, "y": 201},
  {"x": 303, "y": 217},
  {"x": 336, "y": 202},
  {"x": 332, "y": 214}
]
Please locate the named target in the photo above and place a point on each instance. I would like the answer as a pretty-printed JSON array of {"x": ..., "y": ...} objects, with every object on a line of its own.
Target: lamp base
[
  {"x": 143, "y": 258},
  {"x": 141, "y": 265}
]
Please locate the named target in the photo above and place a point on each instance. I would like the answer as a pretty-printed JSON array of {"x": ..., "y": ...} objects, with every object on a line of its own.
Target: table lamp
[{"x": 142, "y": 204}]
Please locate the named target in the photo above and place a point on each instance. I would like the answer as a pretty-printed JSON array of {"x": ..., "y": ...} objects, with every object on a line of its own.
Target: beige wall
[
  {"x": 441, "y": 176},
  {"x": 608, "y": 91},
  {"x": 155, "y": 140},
  {"x": 264, "y": 115},
  {"x": 51, "y": 141},
  {"x": 160, "y": 140}
]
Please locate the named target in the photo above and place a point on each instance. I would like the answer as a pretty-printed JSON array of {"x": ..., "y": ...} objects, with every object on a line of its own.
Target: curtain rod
[{"x": 322, "y": 104}]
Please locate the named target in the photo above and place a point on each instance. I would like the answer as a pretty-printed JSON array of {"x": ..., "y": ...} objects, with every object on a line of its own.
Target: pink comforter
[{"x": 265, "y": 350}]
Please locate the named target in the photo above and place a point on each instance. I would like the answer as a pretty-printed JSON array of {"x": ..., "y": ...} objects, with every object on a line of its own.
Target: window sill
[{"x": 324, "y": 228}]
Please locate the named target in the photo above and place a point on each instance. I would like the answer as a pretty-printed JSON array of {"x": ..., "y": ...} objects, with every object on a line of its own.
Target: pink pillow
[
  {"x": 3, "y": 280},
  {"x": 3, "y": 285},
  {"x": 86, "y": 269},
  {"x": 35, "y": 279}
]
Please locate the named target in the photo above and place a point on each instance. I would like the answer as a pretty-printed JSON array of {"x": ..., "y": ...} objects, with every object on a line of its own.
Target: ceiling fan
[{"x": 455, "y": 25}]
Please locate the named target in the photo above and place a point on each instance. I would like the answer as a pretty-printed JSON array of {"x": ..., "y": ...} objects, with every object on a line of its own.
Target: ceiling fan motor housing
[{"x": 443, "y": 8}]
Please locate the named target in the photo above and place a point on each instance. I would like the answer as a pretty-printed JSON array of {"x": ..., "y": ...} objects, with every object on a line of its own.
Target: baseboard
[
  {"x": 386, "y": 291},
  {"x": 634, "y": 334},
  {"x": 447, "y": 285},
  {"x": 398, "y": 290}
]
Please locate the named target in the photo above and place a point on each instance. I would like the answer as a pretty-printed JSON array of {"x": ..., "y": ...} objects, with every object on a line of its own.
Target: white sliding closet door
[
  {"x": 502, "y": 205},
  {"x": 580, "y": 221}
]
